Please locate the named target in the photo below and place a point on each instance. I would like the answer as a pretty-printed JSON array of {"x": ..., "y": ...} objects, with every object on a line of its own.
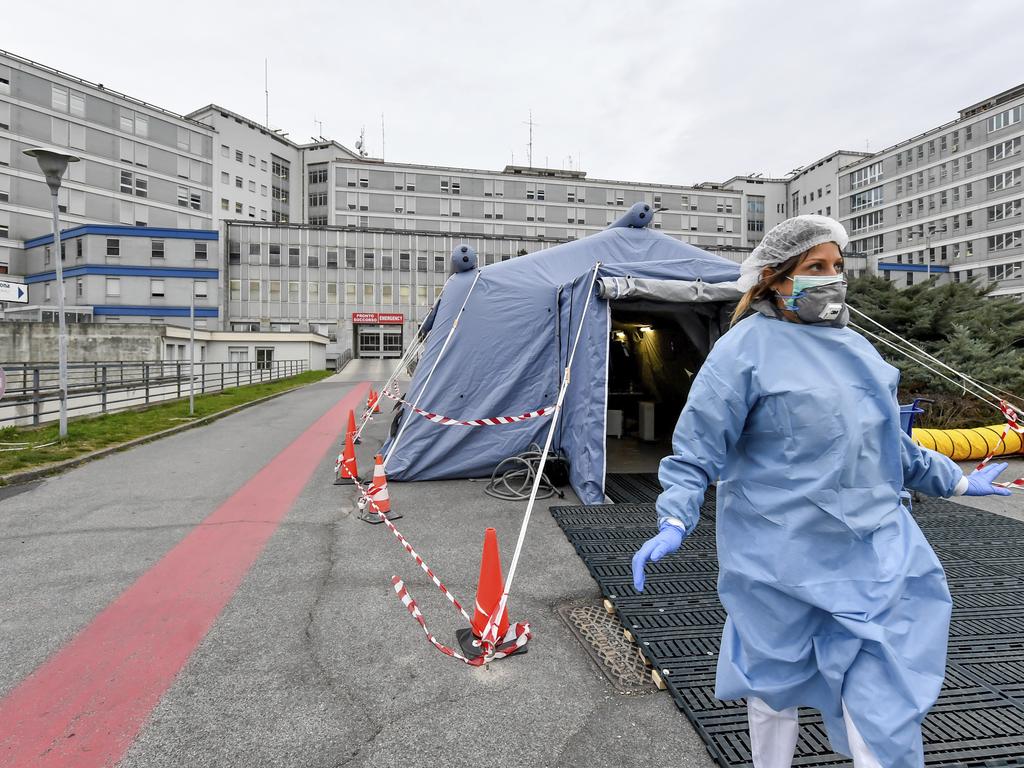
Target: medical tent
[{"x": 517, "y": 322}]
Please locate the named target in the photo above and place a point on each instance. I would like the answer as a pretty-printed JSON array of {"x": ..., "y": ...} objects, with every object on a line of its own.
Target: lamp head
[{"x": 53, "y": 163}]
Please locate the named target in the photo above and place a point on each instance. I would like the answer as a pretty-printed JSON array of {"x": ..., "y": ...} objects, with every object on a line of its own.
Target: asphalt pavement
[{"x": 314, "y": 661}]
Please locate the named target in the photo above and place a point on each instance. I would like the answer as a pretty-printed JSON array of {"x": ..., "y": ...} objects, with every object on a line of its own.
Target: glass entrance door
[{"x": 369, "y": 342}]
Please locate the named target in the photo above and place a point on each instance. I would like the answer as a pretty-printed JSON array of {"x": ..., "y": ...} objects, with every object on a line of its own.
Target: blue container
[{"x": 907, "y": 414}]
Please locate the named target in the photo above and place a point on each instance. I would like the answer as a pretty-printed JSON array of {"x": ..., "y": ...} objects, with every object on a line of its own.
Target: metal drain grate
[
  {"x": 677, "y": 624},
  {"x": 601, "y": 634}
]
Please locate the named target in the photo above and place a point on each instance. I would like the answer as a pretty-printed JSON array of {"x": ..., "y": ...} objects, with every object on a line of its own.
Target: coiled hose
[{"x": 513, "y": 478}]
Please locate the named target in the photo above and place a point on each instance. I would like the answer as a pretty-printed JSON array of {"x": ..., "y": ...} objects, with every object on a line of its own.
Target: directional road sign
[{"x": 17, "y": 292}]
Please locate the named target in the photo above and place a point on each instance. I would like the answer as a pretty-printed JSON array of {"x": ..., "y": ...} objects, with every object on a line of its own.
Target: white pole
[
  {"x": 192, "y": 354},
  {"x": 62, "y": 332}
]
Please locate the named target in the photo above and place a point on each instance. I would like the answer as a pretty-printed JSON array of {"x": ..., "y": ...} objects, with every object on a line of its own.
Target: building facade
[
  {"x": 946, "y": 203},
  {"x": 140, "y": 165},
  {"x": 116, "y": 273}
]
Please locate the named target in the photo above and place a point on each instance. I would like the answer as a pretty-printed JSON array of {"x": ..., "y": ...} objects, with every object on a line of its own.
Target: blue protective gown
[{"x": 831, "y": 589}]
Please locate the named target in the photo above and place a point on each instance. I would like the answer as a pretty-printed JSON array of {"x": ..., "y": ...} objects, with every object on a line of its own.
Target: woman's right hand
[{"x": 668, "y": 540}]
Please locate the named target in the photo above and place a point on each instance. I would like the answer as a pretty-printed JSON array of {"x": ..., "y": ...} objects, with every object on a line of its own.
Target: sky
[{"x": 671, "y": 91}]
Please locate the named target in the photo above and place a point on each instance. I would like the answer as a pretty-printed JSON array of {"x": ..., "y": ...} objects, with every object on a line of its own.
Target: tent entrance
[{"x": 654, "y": 351}]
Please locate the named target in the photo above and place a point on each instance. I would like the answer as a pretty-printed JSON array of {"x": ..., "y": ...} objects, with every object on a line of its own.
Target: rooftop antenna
[
  {"x": 266, "y": 91},
  {"x": 381, "y": 135},
  {"x": 320, "y": 124},
  {"x": 529, "y": 147},
  {"x": 361, "y": 143}
]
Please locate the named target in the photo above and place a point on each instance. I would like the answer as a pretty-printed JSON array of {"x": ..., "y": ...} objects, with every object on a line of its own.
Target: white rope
[
  {"x": 495, "y": 617},
  {"x": 965, "y": 377},
  {"x": 455, "y": 324},
  {"x": 913, "y": 359}
]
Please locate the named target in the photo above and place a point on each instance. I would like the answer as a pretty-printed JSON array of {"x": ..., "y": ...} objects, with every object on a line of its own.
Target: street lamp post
[{"x": 53, "y": 163}]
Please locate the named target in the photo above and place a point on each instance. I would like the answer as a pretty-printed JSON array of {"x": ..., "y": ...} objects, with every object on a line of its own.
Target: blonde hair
[{"x": 763, "y": 287}]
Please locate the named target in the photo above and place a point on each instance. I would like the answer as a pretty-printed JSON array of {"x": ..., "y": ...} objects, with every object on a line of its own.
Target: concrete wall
[{"x": 32, "y": 342}]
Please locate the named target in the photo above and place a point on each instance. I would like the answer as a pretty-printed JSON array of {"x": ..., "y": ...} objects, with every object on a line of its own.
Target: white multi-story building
[
  {"x": 947, "y": 202},
  {"x": 144, "y": 174}
]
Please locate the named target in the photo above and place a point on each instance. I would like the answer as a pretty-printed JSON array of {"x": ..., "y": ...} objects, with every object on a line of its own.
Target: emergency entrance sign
[{"x": 374, "y": 318}]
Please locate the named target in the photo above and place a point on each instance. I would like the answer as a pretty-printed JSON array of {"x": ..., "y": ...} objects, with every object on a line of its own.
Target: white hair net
[{"x": 788, "y": 239}]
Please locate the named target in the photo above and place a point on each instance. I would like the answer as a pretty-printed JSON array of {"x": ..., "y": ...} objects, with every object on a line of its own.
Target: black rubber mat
[
  {"x": 978, "y": 720},
  {"x": 632, "y": 488}
]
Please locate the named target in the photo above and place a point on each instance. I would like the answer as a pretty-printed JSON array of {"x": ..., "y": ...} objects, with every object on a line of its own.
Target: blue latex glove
[
  {"x": 979, "y": 482},
  {"x": 668, "y": 540}
]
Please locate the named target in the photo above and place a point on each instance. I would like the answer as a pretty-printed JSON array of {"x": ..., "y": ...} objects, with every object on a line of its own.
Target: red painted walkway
[{"x": 85, "y": 706}]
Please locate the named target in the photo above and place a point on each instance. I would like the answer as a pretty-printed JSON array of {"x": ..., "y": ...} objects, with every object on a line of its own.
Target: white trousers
[{"x": 773, "y": 737}]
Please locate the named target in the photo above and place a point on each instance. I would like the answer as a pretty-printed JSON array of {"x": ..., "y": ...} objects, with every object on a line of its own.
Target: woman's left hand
[{"x": 979, "y": 482}]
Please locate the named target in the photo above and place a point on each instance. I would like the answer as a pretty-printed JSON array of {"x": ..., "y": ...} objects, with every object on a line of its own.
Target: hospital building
[{"x": 263, "y": 234}]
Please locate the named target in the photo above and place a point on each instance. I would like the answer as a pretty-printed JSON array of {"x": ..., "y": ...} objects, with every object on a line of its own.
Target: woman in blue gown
[{"x": 835, "y": 600}]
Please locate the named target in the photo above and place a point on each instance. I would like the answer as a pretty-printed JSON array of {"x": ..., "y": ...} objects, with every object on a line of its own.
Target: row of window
[
  {"x": 200, "y": 288},
  {"x": 290, "y": 292},
  {"x": 225, "y": 151},
  {"x": 950, "y": 141},
  {"x": 370, "y": 259}
]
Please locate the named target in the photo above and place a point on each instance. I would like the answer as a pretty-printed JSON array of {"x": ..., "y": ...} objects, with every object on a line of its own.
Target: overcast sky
[{"x": 666, "y": 91}]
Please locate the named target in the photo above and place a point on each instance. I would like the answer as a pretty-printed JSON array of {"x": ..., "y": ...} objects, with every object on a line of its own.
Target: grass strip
[{"x": 88, "y": 434}]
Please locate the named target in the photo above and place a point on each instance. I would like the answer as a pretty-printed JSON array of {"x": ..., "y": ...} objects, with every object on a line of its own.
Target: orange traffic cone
[
  {"x": 488, "y": 595},
  {"x": 345, "y": 470},
  {"x": 372, "y": 401},
  {"x": 352, "y": 430},
  {"x": 379, "y": 500}
]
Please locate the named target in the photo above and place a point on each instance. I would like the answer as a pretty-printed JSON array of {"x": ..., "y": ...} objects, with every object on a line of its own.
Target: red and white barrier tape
[
  {"x": 514, "y": 639},
  {"x": 1012, "y": 423},
  {"x": 447, "y": 421}
]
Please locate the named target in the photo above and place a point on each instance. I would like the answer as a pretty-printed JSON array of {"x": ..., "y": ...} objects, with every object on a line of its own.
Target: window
[
  {"x": 332, "y": 258},
  {"x": 254, "y": 253},
  {"x": 313, "y": 292},
  {"x": 1004, "y": 150},
  {"x": 113, "y": 246},
  {"x": 79, "y": 288},
  {"x": 264, "y": 358},
  {"x": 317, "y": 199},
  {"x": 1005, "y": 241},
  {"x": 385, "y": 261},
  {"x": 238, "y": 181},
  {"x": 439, "y": 265},
  {"x": 403, "y": 294},
  {"x": 199, "y": 289},
  {"x": 867, "y": 221},
  {"x": 293, "y": 256},
  {"x": 421, "y": 295},
  {"x": 275, "y": 291},
  {"x": 78, "y": 249},
  {"x": 238, "y": 156},
  {"x": 313, "y": 259},
  {"x": 254, "y": 290},
  {"x": 235, "y": 290},
  {"x": 1004, "y": 180},
  {"x": 421, "y": 263},
  {"x": 866, "y": 199},
  {"x": 156, "y": 249},
  {"x": 113, "y": 286},
  {"x": 293, "y": 292},
  {"x": 263, "y": 190},
  {"x": 368, "y": 294},
  {"x": 225, "y": 204},
  {"x": 387, "y": 294},
  {"x": 350, "y": 258},
  {"x": 997, "y": 122},
  {"x": 156, "y": 288},
  {"x": 200, "y": 251},
  {"x": 59, "y": 98},
  {"x": 403, "y": 262},
  {"x": 1004, "y": 210},
  {"x": 368, "y": 260},
  {"x": 350, "y": 293},
  {"x": 238, "y": 207},
  {"x": 274, "y": 255},
  {"x": 319, "y": 176},
  {"x": 332, "y": 293}
]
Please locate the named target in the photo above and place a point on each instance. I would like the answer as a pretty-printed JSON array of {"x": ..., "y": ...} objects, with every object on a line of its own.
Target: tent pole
[
  {"x": 492, "y": 626},
  {"x": 455, "y": 324}
]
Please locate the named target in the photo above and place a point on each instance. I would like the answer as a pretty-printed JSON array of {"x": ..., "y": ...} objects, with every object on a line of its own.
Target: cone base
[
  {"x": 368, "y": 516},
  {"x": 471, "y": 647},
  {"x": 346, "y": 481}
]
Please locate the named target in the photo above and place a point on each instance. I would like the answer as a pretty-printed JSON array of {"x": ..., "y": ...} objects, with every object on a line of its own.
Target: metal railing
[{"x": 33, "y": 393}]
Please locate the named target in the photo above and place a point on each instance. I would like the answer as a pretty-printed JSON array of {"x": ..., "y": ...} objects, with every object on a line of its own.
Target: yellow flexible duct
[{"x": 970, "y": 444}]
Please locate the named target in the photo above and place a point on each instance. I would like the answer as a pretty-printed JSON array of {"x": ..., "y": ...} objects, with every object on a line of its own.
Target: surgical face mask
[{"x": 818, "y": 300}]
